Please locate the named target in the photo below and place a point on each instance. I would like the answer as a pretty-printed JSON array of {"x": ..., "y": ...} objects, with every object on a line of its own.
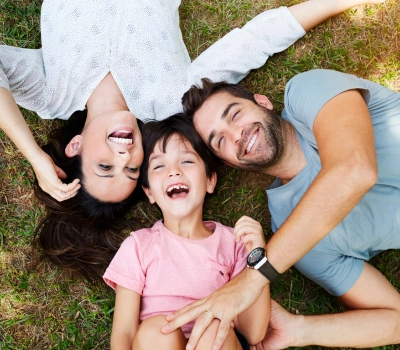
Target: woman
[{"x": 121, "y": 61}]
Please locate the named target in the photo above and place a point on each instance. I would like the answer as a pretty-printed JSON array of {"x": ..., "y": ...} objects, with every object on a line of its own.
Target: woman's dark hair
[
  {"x": 161, "y": 131},
  {"x": 81, "y": 234}
]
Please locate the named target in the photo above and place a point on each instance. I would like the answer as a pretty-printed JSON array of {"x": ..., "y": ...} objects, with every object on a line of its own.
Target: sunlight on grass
[{"x": 42, "y": 307}]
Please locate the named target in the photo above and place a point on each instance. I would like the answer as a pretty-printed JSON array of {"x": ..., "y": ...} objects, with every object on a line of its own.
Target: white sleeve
[
  {"x": 232, "y": 57},
  {"x": 22, "y": 73}
]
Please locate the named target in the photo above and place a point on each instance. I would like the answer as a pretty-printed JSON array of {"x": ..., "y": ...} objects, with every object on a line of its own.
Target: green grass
[{"x": 40, "y": 306}]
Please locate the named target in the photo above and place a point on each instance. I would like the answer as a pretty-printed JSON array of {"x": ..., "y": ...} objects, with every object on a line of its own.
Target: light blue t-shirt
[{"x": 373, "y": 225}]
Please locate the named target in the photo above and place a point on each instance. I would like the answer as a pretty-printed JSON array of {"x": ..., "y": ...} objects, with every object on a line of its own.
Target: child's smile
[{"x": 178, "y": 181}]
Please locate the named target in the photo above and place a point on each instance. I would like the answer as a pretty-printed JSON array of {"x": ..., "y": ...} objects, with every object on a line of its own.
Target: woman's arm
[
  {"x": 253, "y": 322},
  {"x": 48, "y": 174},
  {"x": 126, "y": 318}
]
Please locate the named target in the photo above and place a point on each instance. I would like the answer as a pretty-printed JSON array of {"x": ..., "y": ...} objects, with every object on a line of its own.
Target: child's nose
[{"x": 174, "y": 172}]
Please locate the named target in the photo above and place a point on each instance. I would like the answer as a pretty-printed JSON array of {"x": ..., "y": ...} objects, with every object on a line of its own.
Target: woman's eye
[
  {"x": 105, "y": 167},
  {"x": 132, "y": 170},
  {"x": 219, "y": 142}
]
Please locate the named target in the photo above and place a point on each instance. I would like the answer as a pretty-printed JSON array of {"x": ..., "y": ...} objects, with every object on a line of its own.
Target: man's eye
[
  {"x": 132, "y": 170},
  {"x": 105, "y": 167},
  {"x": 234, "y": 116}
]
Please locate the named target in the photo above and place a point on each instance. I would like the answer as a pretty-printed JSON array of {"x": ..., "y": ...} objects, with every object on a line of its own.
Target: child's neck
[{"x": 190, "y": 227}]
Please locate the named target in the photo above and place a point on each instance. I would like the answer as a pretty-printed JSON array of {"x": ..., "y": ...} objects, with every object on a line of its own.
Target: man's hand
[
  {"x": 225, "y": 304},
  {"x": 280, "y": 329},
  {"x": 250, "y": 232},
  {"x": 48, "y": 175}
]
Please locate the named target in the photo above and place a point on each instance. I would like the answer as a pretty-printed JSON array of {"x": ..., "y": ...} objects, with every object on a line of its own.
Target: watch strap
[{"x": 269, "y": 271}]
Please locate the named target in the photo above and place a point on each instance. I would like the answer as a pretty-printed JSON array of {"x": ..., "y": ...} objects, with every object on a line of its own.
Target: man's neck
[{"x": 293, "y": 159}]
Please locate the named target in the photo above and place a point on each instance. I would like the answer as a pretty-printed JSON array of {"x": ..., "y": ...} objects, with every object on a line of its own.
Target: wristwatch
[{"x": 257, "y": 259}]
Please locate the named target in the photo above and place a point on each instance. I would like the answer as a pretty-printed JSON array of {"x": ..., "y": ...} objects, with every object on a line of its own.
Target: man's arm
[
  {"x": 373, "y": 319},
  {"x": 344, "y": 135}
]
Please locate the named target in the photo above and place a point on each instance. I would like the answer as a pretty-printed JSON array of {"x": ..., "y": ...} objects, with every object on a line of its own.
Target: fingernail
[
  {"x": 169, "y": 317},
  {"x": 165, "y": 328},
  {"x": 188, "y": 347}
]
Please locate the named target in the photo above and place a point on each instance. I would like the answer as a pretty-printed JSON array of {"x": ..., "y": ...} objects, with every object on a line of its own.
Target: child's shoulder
[
  {"x": 146, "y": 232},
  {"x": 219, "y": 228}
]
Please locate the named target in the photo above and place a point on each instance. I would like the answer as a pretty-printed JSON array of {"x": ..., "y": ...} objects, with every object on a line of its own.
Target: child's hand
[{"x": 250, "y": 232}]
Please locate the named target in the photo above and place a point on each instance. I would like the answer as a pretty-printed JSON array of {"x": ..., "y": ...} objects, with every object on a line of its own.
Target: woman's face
[{"x": 110, "y": 146}]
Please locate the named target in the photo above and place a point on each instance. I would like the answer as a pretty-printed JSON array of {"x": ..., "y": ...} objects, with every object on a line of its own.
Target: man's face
[{"x": 243, "y": 134}]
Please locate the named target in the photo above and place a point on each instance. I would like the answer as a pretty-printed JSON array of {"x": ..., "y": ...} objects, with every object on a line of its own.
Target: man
[{"x": 335, "y": 202}]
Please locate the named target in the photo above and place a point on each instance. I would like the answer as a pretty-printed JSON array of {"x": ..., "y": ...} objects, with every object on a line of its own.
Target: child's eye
[
  {"x": 105, "y": 167},
  {"x": 188, "y": 161},
  {"x": 158, "y": 166}
]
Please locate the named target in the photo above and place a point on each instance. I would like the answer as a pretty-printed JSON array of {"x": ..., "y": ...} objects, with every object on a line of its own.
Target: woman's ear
[
  {"x": 211, "y": 182},
  {"x": 263, "y": 101},
  {"x": 148, "y": 194},
  {"x": 74, "y": 146}
]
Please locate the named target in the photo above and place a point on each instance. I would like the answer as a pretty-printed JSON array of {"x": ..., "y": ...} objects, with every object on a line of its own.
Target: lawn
[{"x": 44, "y": 308}]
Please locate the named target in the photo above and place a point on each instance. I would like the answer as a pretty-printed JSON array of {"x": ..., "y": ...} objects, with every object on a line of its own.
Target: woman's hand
[
  {"x": 48, "y": 175},
  {"x": 250, "y": 232}
]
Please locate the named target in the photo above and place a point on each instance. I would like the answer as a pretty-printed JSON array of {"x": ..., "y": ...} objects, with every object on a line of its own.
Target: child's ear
[
  {"x": 148, "y": 194},
  {"x": 211, "y": 182}
]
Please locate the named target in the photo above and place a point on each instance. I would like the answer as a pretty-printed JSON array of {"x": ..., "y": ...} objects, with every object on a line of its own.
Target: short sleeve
[
  {"x": 240, "y": 259},
  {"x": 335, "y": 273},
  {"x": 308, "y": 92},
  {"x": 232, "y": 57},
  {"x": 22, "y": 73},
  {"x": 125, "y": 269}
]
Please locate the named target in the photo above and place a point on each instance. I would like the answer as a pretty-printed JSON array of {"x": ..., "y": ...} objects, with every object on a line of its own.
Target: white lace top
[{"x": 140, "y": 43}]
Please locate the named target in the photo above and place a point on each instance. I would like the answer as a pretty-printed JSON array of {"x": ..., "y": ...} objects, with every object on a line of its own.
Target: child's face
[{"x": 177, "y": 179}]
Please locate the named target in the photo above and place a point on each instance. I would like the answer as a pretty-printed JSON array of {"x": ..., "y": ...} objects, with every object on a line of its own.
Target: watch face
[{"x": 255, "y": 256}]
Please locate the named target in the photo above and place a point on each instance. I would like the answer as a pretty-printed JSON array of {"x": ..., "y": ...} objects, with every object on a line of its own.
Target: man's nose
[{"x": 237, "y": 133}]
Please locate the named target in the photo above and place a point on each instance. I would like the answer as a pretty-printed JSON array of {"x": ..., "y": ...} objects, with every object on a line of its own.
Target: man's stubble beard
[{"x": 270, "y": 150}]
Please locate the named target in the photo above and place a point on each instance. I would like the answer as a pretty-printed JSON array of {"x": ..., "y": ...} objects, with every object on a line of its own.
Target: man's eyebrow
[
  {"x": 223, "y": 116},
  {"x": 110, "y": 176}
]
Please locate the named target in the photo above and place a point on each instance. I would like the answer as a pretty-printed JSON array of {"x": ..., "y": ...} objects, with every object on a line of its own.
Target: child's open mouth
[{"x": 177, "y": 191}]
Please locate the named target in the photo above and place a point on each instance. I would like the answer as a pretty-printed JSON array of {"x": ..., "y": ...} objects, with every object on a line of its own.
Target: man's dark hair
[
  {"x": 194, "y": 98},
  {"x": 81, "y": 234},
  {"x": 162, "y": 131}
]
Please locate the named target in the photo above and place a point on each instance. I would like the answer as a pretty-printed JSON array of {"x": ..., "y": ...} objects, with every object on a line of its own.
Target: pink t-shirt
[{"x": 170, "y": 271}]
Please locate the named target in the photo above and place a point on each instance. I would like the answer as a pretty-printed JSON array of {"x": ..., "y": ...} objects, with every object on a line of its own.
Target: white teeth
[
  {"x": 251, "y": 143},
  {"x": 169, "y": 189},
  {"x": 121, "y": 140}
]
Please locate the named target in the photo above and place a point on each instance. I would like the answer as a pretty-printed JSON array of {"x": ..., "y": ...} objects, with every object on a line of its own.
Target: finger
[
  {"x": 222, "y": 333},
  {"x": 71, "y": 195},
  {"x": 178, "y": 319},
  {"x": 73, "y": 185},
  {"x": 60, "y": 173},
  {"x": 199, "y": 327}
]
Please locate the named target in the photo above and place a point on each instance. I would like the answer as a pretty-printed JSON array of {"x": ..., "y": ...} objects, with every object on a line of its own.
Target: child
[{"x": 180, "y": 259}]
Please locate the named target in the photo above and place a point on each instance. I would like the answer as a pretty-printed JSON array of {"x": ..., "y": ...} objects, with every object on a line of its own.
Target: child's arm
[
  {"x": 126, "y": 318},
  {"x": 253, "y": 322}
]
